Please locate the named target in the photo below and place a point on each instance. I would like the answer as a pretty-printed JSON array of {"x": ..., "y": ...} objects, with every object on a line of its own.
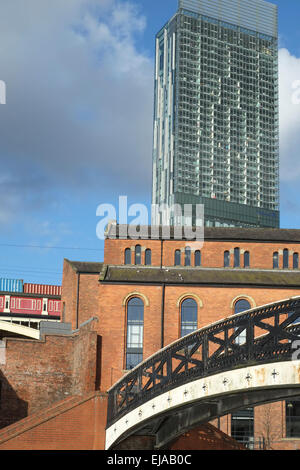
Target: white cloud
[
  {"x": 289, "y": 94},
  {"x": 79, "y": 96}
]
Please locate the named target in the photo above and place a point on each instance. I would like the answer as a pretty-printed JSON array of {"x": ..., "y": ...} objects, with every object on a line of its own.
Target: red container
[{"x": 42, "y": 289}]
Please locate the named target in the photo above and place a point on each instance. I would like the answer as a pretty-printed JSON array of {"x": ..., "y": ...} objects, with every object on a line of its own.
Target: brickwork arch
[
  {"x": 136, "y": 294},
  {"x": 189, "y": 295},
  {"x": 243, "y": 297}
]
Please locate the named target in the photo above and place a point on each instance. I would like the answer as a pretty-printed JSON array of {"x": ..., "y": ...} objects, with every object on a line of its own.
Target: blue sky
[{"x": 76, "y": 131}]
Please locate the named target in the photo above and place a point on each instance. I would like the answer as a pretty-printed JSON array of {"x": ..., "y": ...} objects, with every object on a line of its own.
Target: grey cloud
[{"x": 79, "y": 96}]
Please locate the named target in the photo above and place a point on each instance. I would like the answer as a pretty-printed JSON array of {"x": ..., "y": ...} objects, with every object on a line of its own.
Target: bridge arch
[
  {"x": 19, "y": 329},
  {"x": 210, "y": 372}
]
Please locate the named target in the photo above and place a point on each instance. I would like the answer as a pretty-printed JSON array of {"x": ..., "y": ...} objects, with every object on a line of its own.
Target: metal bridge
[
  {"x": 19, "y": 329},
  {"x": 245, "y": 360},
  {"x": 28, "y": 327}
]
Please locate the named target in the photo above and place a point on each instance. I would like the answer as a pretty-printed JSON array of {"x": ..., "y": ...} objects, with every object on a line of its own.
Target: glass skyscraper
[{"x": 216, "y": 129}]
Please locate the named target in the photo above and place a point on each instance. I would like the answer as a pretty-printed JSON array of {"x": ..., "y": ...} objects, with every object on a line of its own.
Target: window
[
  {"x": 135, "y": 330},
  {"x": 187, "y": 256},
  {"x": 275, "y": 260},
  {"x": 148, "y": 257},
  {"x": 188, "y": 317},
  {"x": 285, "y": 258},
  {"x": 293, "y": 418},
  {"x": 246, "y": 259},
  {"x": 242, "y": 426},
  {"x": 242, "y": 421},
  {"x": 236, "y": 257},
  {"x": 177, "y": 258},
  {"x": 197, "y": 258},
  {"x": 295, "y": 261},
  {"x": 241, "y": 306},
  {"x": 138, "y": 255},
  {"x": 128, "y": 256},
  {"x": 226, "y": 259}
]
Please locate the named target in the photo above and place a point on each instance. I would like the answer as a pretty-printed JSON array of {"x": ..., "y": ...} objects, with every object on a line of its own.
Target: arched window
[
  {"x": 138, "y": 254},
  {"x": 285, "y": 258},
  {"x": 246, "y": 259},
  {"x": 275, "y": 260},
  {"x": 128, "y": 256},
  {"x": 236, "y": 258},
  {"x": 197, "y": 258},
  {"x": 226, "y": 259},
  {"x": 241, "y": 306},
  {"x": 187, "y": 256},
  {"x": 135, "y": 330},
  {"x": 177, "y": 260},
  {"x": 148, "y": 257},
  {"x": 188, "y": 317},
  {"x": 296, "y": 261}
]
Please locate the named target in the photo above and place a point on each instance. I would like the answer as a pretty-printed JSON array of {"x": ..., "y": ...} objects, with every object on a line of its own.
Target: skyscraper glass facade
[{"x": 216, "y": 112}]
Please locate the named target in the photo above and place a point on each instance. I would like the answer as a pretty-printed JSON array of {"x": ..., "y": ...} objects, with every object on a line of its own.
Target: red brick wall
[
  {"x": 79, "y": 295},
  {"x": 205, "y": 437},
  {"x": 79, "y": 426},
  {"x": 216, "y": 305},
  {"x": 38, "y": 373},
  {"x": 112, "y": 326},
  {"x": 88, "y": 297},
  {"x": 69, "y": 294},
  {"x": 212, "y": 253}
]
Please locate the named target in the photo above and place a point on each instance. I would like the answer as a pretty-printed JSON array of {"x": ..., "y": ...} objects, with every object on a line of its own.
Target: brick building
[
  {"x": 146, "y": 294},
  {"x": 152, "y": 291}
]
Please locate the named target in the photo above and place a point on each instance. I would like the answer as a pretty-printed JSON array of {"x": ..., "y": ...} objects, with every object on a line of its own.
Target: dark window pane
[
  {"x": 293, "y": 418},
  {"x": 275, "y": 260},
  {"x": 295, "y": 260},
  {"x": 189, "y": 316},
  {"x": 128, "y": 256},
  {"x": 285, "y": 259},
  {"x": 148, "y": 257},
  {"x": 177, "y": 258},
  {"x": 135, "y": 330},
  {"x": 198, "y": 258},
  {"x": 246, "y": 259},
  {"x": 236, "y": 257},
  {"x": 241, "y": 305},
  {"x": 242, "y": 426},
  {"x": 187, "y": 258},
  {"x": 226, "y": 259},
  {"x": 138, "y": 255},
  {"x": 133, "y": 359}
]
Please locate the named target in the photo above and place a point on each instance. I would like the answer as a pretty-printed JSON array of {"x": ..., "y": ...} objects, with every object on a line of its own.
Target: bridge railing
[{"x": 267, "y": 335}]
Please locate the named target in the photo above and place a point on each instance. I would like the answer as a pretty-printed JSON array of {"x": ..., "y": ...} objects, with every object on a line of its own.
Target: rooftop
[
  {"x": 210, "y": 233},
  {"x": 85, "y": 267},
  {"x": 200, "y": 276}
]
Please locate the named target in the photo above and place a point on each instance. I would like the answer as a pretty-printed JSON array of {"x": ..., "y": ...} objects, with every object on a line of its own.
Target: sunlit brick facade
[{"x": 271, "y": 273}]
